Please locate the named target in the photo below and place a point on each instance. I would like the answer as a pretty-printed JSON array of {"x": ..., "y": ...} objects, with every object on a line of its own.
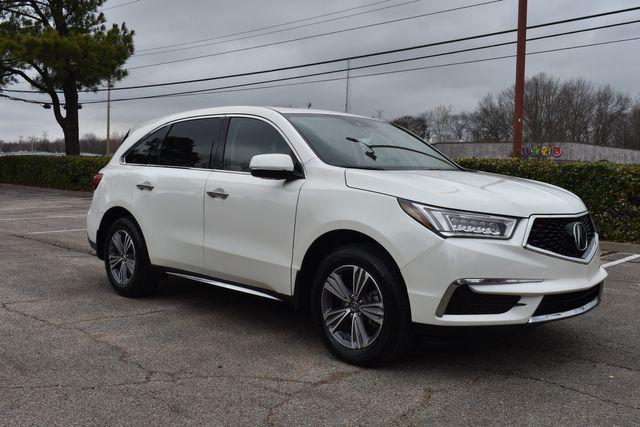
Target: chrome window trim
[
  {"x": 566, "y": 314},
  {"x": 123, "y": 162},
  {"x": 591, "y": 251}
]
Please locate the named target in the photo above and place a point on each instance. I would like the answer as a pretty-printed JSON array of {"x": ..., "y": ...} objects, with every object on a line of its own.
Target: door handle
[
  {"x": 145, "y": 186},
  {"x": 218, "y": 193}
]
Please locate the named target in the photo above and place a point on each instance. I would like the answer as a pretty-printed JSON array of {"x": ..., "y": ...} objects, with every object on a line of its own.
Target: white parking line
[
  {"x": 620, "y": 261},
  {"x": 43, "y": 217},
  {"x": 57, "y": 231}
]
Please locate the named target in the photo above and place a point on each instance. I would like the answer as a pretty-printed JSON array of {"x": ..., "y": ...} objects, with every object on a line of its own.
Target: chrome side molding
[{"x": 225, "y": 285}]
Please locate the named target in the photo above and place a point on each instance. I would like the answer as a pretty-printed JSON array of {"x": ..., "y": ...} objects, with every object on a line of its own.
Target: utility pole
[
  {"x": 346, "y": 101},
  {"x": 519, "y": 89},
  {"x": 108, "y": 143}
]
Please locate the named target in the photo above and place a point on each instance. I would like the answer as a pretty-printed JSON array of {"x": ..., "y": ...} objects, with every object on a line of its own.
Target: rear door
[
  {"x": 169, "y": 189},
  {"x": 249, "y": 221}
]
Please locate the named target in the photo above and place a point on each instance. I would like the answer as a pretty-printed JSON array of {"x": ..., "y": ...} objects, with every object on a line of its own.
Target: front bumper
[{"x": 532, "y": 276}]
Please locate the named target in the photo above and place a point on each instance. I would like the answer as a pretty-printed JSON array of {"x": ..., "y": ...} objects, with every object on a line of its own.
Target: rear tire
[
  {"x": 126, "y": 260},
  {"x": 360, "y": 306}
]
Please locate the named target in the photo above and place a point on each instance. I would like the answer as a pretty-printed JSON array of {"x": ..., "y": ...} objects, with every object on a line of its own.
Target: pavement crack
[
  {"x": 422, "y": 402},
  {"x": 569, "y": 388},
  {"x": 572, "y": 358},
  {"x": 123, "y": 355},
  {"x": 122, "y": 316},
  {"x": 57, "y": 245},
  {"x": 3, "y": 303},
  {"x": 331, "y": 378}
]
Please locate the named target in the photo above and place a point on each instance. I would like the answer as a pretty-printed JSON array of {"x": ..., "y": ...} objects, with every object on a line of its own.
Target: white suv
[{"x": 366, "y": 225}]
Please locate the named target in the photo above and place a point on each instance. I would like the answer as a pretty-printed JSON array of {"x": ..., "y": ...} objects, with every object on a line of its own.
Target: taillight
[{"x": 96, "y": 180}]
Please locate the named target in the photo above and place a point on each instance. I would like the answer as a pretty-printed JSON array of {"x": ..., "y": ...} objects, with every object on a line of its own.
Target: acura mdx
[{"x": 362, "y": 223}]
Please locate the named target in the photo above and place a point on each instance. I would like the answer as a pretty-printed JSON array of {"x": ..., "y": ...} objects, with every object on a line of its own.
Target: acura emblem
[{"x": 579, "y": 233}]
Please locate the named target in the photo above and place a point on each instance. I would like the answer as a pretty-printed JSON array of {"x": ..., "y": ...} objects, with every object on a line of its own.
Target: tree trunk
[
  {"x": 71, "y": 133},
  {"x": 71, "y": 126}
]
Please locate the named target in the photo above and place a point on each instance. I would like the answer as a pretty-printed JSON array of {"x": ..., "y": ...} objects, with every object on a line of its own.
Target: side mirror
[{"x": 273, "y": 166}]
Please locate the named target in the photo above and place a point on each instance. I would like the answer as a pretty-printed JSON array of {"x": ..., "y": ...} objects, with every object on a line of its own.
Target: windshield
[{"x": 355, "y": 142}]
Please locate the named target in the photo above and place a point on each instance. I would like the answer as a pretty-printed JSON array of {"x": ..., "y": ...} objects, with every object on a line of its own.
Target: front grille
[
  {"x": 465, "y": 301},
  {"x": 551, "y": 234},
  {"x": 560, "y": 303}
]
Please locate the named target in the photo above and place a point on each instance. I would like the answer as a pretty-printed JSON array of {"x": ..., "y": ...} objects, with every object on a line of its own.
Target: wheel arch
[
  {"x": 319, "y": 248},
  {"x": 109, "y": 217}
]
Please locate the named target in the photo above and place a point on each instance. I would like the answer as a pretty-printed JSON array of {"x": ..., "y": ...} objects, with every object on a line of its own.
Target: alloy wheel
[
  {"x": 122, "y": 257},
  {"x": 352, "y": 307}
]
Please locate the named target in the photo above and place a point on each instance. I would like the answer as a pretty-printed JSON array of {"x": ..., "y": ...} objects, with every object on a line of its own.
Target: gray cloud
[{"x": 162, "y": 22}]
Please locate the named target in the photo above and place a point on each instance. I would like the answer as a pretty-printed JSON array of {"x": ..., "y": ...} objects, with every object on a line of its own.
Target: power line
[
  {"x": 244, "y": 37},
  {"x": 267, "y": 27},
  {"x": 244, "y": 85},
  {"x": 352, "y": 77},
  {"x": 344, "y": 30},
  {"x": 373, "y": 54},
  {"x": 428, "y": 67},
  {"x": 232, "y": 89},
  {"x": 276, "y": 31},
  {"x": 119, "y": 5},
  {"x": 474, "y": 61}
]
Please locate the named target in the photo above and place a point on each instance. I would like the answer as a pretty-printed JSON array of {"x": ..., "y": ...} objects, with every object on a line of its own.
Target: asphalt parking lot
[{"x": 73, "y": 352}]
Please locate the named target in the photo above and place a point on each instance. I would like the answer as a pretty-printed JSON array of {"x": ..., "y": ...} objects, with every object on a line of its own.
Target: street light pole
[
  {"x": 346, "y": 100},
  {"x": 519, "y": 88}
]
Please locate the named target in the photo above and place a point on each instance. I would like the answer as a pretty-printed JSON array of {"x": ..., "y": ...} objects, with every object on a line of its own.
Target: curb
[{"x": 620, "y": 247}]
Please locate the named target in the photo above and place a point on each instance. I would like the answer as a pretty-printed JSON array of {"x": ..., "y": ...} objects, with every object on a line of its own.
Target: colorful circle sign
[
  {"x": 535, "y": 150},
  {"x": 545, "y": 151},
  {"x": 557, "y": 151},
  {"x": 526, "y": 151}
]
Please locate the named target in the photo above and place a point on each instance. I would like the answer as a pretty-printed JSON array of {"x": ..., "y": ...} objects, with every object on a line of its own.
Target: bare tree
[
  {"x": 554, "y": 111},
  {"x": 542, "y": 120},
  {"x": 609, "y": 116},
  {"x": 575, "y": 109},
  {"x": 442, "y": 119},
  {"x": 493, "y": 118}
]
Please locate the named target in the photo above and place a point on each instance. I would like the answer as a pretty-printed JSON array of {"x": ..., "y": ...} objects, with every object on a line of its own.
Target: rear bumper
[{"x": 524, "y": 282}]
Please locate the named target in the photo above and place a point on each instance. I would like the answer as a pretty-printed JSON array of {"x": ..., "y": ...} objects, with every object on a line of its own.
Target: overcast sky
[{"x": 167, "y": 22}]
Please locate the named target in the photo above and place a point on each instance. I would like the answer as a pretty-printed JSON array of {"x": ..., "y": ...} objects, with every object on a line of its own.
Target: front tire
[
  {"x": 359, "y": 305},
  {"x": 126, "y": 260}
]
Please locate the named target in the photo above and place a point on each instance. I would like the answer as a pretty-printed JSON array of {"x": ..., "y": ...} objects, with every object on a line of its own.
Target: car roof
[{"x": 241, "y": 109}]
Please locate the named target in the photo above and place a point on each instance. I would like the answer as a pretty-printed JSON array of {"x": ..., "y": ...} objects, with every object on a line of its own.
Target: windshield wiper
[
  {"x": 369, "y": 168},
  {"x": 371, "y": 153},
  {"x": 409, "y": 149}
]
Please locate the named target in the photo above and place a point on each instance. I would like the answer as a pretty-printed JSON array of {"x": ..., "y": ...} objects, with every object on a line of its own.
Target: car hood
[{"x": 469, "y": 190}]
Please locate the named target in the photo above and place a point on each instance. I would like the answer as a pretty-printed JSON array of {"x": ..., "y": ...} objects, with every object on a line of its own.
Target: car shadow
[{"x": 522, "y": 349}]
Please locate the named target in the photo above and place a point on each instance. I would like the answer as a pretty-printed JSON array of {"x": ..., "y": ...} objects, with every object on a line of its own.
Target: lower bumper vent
[
  {"x": 560, "y": 303},
  {"x": 466, "y": 301}
]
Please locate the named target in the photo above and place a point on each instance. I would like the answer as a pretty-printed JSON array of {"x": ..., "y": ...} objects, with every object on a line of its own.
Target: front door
[{"x": 249, "y": 221}]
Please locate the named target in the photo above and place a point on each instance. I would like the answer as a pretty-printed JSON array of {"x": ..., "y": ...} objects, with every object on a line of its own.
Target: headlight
[{"x": 450, "y": 223}]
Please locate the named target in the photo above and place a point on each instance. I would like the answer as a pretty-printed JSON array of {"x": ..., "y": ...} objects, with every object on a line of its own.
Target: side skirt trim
[{"x": 225, "y": 285}]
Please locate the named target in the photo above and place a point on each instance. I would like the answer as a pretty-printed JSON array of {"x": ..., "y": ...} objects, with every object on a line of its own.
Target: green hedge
[
  {"x": 67, "y": 173},
  {"x": 611, "y": 191}
]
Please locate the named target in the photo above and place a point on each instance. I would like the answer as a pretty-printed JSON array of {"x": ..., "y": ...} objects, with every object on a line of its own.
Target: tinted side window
[
  {"x": 247, "y": 138},
  {"x": 188, "y": 143},
  {"x": 146, "y": 151}
]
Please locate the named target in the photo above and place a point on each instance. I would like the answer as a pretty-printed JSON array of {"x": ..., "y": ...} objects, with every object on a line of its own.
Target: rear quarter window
[{"x": 146, "y": 151}]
